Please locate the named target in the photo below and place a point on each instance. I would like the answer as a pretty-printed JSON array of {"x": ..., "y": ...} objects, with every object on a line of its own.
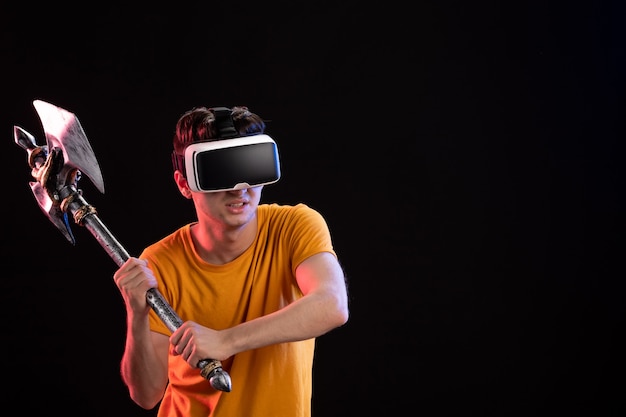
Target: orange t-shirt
[{"x": 272, "y": 381}]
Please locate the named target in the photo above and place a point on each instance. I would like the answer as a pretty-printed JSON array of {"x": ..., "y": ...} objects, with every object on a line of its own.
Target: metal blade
[
  {"x": 64, "y": 131},
  {"x": 52, "y": 211}
]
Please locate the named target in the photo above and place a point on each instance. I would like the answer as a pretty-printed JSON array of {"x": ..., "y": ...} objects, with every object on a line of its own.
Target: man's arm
[
  {"x": 144, "y": 362},
  {"x": 323, "y": 307}
]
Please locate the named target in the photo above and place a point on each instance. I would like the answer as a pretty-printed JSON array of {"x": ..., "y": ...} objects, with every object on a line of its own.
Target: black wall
[{"x": 466, "y": 157}]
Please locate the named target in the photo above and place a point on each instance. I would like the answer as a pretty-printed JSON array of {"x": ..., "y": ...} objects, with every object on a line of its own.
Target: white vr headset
[{"x": 231, "y": 164}]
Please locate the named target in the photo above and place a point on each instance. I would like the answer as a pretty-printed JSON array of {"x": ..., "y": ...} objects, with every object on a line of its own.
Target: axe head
[
  {"x": 66, "y": 157},
  {"x": 64, "y": 131}
]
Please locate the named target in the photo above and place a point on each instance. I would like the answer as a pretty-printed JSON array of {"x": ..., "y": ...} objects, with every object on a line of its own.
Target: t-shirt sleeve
[{"x": 309, "y": 235}]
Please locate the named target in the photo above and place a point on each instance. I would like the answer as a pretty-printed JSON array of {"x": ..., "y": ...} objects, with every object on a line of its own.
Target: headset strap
[{"x": 224, "y": 122}]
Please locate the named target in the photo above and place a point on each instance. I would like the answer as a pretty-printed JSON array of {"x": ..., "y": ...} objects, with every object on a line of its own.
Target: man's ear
[{"x": 182, "y": 184}]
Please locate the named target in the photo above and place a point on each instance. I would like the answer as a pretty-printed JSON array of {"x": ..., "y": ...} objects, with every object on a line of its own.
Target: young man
[{"x": 254, "y": 284}]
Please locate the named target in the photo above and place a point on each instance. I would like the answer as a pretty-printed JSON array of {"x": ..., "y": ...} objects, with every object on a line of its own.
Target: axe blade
[
  {"x": 52, "y": 211},
  {"x": 64, "y": 131}
]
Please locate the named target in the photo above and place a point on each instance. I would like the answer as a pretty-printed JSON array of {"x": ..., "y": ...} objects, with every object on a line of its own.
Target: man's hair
[{"x": 198, "y": 125}]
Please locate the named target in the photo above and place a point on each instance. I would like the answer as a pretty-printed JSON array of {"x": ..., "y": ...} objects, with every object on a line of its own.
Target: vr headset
[{"x": 229, "y": 163}]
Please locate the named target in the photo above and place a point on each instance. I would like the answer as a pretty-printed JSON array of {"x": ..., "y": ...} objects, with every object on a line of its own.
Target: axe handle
[{"x": 85, "y": 215}]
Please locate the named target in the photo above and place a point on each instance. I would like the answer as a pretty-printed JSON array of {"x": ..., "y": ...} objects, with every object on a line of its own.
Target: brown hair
[{"x": 198, "y": 125}]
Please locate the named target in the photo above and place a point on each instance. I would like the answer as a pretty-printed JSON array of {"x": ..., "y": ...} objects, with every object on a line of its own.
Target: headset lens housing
[{"x": 232, "y": 164}]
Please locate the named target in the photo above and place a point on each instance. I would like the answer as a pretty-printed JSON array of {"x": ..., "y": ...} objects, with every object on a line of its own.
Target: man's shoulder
[
  {"x": 286, "y": 213},
  {"x": 272, "y": 208}
]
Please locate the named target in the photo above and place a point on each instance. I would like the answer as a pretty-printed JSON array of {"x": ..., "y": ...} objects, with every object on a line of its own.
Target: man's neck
[{"x": 222, "y": 245}]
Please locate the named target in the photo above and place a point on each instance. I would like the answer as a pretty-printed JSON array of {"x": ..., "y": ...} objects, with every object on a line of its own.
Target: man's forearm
[
  {"x": 143, "y": 371},
  {"x": 308, "y": 317}
]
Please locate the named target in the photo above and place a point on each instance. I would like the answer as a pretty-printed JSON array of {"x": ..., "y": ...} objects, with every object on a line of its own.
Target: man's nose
[{"x": 238, "y": 191}]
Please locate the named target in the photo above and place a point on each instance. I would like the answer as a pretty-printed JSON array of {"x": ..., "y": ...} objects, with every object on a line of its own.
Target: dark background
[{"x": 466, "y": 157}]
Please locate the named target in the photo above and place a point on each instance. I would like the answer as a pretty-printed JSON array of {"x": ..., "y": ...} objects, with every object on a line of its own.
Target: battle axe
[{"x": 57, "y": 168}]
